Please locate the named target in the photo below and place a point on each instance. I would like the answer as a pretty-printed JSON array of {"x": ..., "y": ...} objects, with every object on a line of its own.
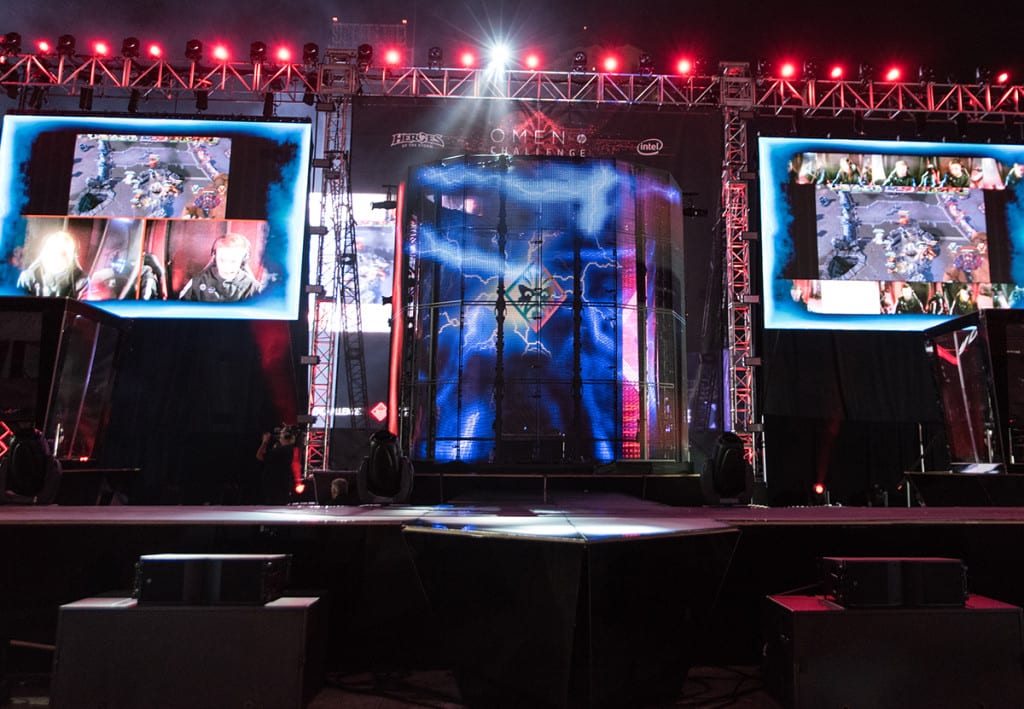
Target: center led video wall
[{"x": 543, "y": 307}]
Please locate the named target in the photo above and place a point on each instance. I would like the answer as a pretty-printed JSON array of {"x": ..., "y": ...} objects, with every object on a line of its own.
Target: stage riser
[{"x": 378, "y": 611}]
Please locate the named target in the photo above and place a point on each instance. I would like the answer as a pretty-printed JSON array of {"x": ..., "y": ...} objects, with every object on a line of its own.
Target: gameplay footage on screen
[
  {"x": 886, "y": 235},
  {"x": 152, "y": 217}
]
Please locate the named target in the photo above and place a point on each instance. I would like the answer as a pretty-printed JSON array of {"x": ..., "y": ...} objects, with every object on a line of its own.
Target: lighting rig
[{"x": 273, "y": 75}]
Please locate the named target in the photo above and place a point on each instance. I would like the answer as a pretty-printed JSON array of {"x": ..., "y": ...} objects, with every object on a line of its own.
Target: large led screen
[
  {"x": 155, "y": 217},
  {"x": 882, "y": 235},
  {"x": 544, "y": 306}
]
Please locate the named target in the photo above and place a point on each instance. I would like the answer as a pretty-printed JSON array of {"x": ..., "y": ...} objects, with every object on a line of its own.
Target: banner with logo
[{"x": 392, "y": 134}]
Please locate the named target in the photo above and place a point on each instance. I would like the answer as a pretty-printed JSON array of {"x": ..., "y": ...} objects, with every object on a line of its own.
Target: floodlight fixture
[
  {"x": 66, "y": 45},
  {"x": 258, "y": 52},
  {"x": 194, "y": 50},
  {"x": 130, "y": 47},
  {"x": 364, "y": 56},
  {"x": 646, "y": 64},
  {"x": 11, "y": 43},
  {"x": 310, "y": 53},
  {"x": 435, "y": 56}
]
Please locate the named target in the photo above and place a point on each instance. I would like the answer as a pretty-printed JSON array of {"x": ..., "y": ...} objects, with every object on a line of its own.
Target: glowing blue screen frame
[
  {"x": 775, "y": 153},
  {"x": 285, "y": 205}
]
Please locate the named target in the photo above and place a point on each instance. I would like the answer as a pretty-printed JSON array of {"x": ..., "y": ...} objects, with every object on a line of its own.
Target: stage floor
[{"x": 511, "y": 510}]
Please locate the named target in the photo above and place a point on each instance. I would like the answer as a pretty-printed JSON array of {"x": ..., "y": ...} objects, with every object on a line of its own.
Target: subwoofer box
[
  {"x": 115, "y": 654},
  {"x": 210, "y": 579},
  {"x": 867, "y": 582},
  {"x": 818, "y": 654}
]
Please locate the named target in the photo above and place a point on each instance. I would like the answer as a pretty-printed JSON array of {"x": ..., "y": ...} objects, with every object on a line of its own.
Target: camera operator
[{"x": 282, "y": 468}]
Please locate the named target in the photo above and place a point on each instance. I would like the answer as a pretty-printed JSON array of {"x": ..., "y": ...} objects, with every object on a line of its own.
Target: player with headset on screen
[
  {"x": 226, "y": 278},
  {"x": 55, "y": 273}
]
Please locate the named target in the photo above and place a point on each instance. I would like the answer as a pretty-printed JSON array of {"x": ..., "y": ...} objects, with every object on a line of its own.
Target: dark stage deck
[{"x": 594, "y": 596}]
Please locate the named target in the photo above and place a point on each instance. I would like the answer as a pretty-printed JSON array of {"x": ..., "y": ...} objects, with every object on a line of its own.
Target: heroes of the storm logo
[{"x": 417, "y": 140}]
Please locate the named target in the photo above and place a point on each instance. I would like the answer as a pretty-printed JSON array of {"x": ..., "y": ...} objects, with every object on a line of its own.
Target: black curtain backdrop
[
  {"x": 849, "y": 409},
  {"x": 190, "y": 403}
]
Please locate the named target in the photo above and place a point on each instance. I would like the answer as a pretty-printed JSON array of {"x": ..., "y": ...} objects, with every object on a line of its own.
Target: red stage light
[
  {"x": 101, "y": 49},
  {"x": 43, "y": 46},
  {"x": 468, "y": 59},
  {"x": 836, "y": 72},
  {"x": 1003, "y": 77},
  {"x": 532, "y": 61},
  {"x": 610, "y": 63},
  {"x": 284, "y": 55},
  {"x": 893, "y": 74},
  {"x": 155, "y": 51},
  {"x": 300, "y": 488},
  {"x": 392, "y": 57},
  {"x": 220, "y": 53},
  {"x": 819, "y": 489},
  {"x": 684, "y": 66},
  {"x": 787, "y": 70}
]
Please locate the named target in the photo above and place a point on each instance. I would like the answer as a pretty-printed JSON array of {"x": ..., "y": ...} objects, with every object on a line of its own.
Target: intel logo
[{"x": 651, "y": 146}]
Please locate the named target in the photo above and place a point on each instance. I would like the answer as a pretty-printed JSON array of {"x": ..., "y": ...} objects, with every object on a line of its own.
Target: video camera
[{"x": 284, "y": 428}]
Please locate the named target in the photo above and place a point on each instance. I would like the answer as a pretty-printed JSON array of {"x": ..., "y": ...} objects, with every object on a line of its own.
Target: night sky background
[{"x": 954, "y": 38}]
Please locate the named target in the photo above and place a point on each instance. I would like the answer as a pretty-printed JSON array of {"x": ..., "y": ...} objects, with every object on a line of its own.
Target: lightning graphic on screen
[{"x": 526, "y": 254}]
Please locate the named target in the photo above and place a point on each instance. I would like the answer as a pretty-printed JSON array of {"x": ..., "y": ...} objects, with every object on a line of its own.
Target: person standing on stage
[{"x": 282, "y": 470}]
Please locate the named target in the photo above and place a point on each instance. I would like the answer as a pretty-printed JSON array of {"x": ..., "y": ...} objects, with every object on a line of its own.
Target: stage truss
[
  {"x": 117, "y": 77},
  {"x": 329, "y": 86}
]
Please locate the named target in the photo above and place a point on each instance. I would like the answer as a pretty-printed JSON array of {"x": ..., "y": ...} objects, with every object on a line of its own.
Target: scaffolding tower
[
  {"x": 740, "y": 300},
  {"x": 336, "y": 312}
]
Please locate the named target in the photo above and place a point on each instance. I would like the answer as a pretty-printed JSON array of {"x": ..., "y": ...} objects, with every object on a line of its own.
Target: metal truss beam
[{"x": 116, "y": 76}]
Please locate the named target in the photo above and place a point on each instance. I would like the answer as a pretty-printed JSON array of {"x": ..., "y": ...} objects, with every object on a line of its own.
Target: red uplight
[
  {"x": 893, "y": 74},
  {"x": 284, "y": 54},
  {"x": 392, "y": 57},
  {"x": 467, "y": 59},
  {"x": 819, "y": 489},
  {"x": 532, "y": 61},
  {"x": 43, "y": 46},
  {"x": 220, "y": 53},
  {"x": 610, "y": 63},
  {"x": 300, "y": 488},
  {"x": 787, "y": 70},
  {"x": 1002, "y": 77},
  {"x": 684, "y": 66},
  {"x": 836, "y": 72},
  {"x": 155, "y": 51},
  {"x": 101, "y": 49}
]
